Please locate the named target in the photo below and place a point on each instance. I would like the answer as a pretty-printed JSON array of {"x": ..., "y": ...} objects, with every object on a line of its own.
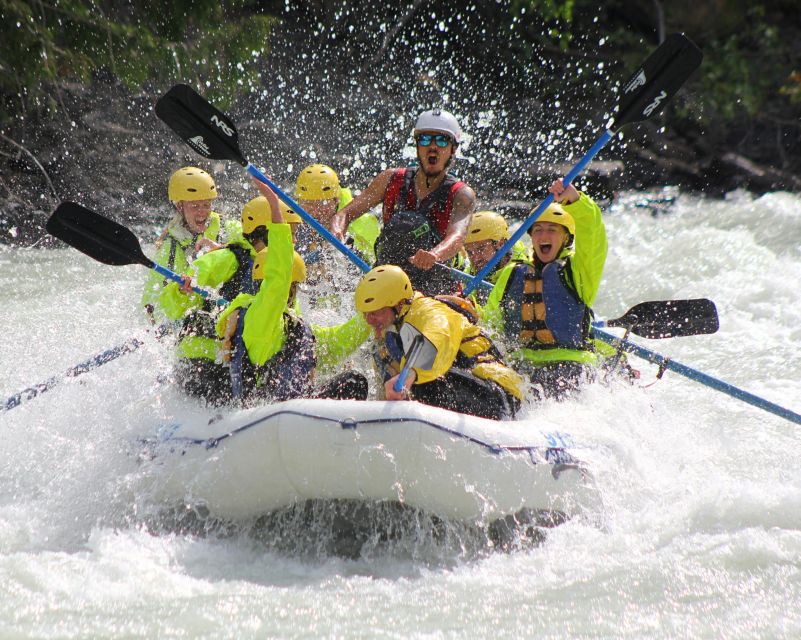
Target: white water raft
[{"x": 453, "y": 465}]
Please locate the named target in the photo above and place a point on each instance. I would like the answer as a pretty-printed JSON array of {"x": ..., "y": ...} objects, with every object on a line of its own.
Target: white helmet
[{"x": 438, "y": 120}]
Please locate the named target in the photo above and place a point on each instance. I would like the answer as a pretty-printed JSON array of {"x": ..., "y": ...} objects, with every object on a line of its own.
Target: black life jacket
[
  {"x": 288, "y": 374},
  {"x": 201, "y": 322},
  {"x": 410, "y": 225},
  {"x": 242, "y": 280}
]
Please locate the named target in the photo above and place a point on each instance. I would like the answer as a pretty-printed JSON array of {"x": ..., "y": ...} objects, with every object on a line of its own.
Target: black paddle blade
[
  {"x": 670, "y": 318},
  {"x": 100, "y": 238},
  {"x": 657, "y": 80},
  {"x": 198, "y": 123}
]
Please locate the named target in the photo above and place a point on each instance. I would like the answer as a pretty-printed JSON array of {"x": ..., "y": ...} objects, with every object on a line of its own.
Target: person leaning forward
[
  {"x": 273, "y": 351},
  {"x": 426, "y": 211},
  {"x": 465, "y": 374}
]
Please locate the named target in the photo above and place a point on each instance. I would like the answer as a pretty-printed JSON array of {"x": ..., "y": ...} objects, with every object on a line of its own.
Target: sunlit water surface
[{"x": 699, "y": 535}]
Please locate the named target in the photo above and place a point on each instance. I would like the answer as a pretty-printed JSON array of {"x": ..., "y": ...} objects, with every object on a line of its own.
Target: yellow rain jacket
[{"x": 458, "y": 342}]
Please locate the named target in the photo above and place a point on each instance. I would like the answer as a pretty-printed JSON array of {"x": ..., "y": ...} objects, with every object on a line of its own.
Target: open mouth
[{"x": 545, "y": 248}]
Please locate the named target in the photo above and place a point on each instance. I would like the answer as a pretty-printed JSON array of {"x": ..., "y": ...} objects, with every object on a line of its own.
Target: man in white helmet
[{"x": 426, "y": 210}]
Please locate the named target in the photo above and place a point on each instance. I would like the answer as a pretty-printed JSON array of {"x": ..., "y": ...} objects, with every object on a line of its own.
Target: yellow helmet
[
  {"x": 557, "y": 214},
  {"x": 384, "y": 286},
  {"x": 298, "y": 266},
  {"x": 256, "y": 213},
  {"x": 289, "y": 214},
  {"x": 191, "y": 183},
  {"x": 487, "y": 225},
  {"x": 317, "y": 182}
]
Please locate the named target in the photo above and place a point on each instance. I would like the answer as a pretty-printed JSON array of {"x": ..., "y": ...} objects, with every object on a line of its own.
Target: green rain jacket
[
  {"x": 172, "y": 253},
  {"x": 586, "y": 263},
  {"x": 264, "y": 330},
  {"x": 212, "y": 269}
]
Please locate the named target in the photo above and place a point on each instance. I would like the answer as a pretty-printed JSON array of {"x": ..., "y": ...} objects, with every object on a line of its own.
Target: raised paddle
[
  {"x": 213, "y": 135},
  {"x": 666, "y": 363},
  {"x": 105, "y": 240},
  {"x": 643, "y": 96}
]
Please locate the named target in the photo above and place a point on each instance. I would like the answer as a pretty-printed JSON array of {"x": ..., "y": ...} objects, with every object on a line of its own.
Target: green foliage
[
  {"x": 195, "y": 41},
  {"x": 556, "y": 14},
  {"x": 740, "y": 73},
  {"x": 792, "y": 88},
  {"x": 548, "y": 9}
]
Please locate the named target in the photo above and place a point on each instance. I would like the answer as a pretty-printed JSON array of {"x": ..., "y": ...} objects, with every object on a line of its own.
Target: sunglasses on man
[{"x": 425, "y": 140}]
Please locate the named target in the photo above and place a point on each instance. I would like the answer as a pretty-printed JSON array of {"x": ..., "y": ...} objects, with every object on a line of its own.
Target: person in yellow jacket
[
  {"x": 544, "y": 309},
  {"x": 274, "y": 353},
  {"x": 193, "y": 228},
  {"x": 230, "y": 270},
  {"x": 465, "y": 372},
  {"x": 486, "y": 234}
]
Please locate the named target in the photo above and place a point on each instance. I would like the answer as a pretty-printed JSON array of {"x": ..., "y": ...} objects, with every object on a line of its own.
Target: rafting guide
[{"x": 425, "y": 210}]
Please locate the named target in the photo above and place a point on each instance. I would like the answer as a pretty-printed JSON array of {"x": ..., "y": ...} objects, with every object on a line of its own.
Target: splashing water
[{"x": 700, "y": 534}]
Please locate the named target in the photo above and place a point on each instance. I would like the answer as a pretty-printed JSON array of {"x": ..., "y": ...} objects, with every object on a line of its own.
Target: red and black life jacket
[
  {"x": 410, "y": 225},
  {"x": 436, "y": 206}
]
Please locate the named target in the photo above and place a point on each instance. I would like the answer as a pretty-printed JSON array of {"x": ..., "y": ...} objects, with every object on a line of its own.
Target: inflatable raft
[{"x": 455, "y": 466}]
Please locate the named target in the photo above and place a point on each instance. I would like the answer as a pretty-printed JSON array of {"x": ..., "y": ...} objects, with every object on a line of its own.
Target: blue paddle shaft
[
  {"x": 483, "y": 284},
  {"x": 411, "y": 358},
  {"x": 175, "y": 277},
  {"x": 571, "y": 175},
  {"x": 311, "y": 221},
  {"x": 398, "y": 386},
  {"x": 92, "y": 363},
  {"x": 698, "y": 376}
]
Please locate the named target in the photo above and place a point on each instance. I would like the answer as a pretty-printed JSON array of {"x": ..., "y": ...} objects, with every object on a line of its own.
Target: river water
[{"x": 699, "y": 535}]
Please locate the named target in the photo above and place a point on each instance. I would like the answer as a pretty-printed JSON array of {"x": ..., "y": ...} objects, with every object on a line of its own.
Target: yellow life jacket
[
  {"x": 444, "y": 320},
  {"x": 532, "y": 311}
]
